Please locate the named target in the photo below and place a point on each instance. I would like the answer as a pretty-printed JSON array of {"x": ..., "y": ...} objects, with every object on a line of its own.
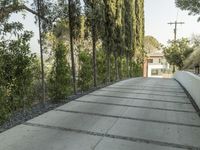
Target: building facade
[{"x": 156, "y": 65}]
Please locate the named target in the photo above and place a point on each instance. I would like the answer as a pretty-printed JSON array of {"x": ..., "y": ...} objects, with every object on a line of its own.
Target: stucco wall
[
  {"x": 191, "y": 83},
  {"x": 154, "y": 66}
]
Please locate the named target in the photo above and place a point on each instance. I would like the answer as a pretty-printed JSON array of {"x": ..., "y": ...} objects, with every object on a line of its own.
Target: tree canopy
[
  {"x": 151, "y": 44},
  {"x": 193, "y": 6},
  {"x": 83, "y": 47},
  {"x": 177, "y": 52}
]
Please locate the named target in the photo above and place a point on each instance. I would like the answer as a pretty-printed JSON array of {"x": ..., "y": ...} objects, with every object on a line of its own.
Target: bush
[
  {"x": 4, "y": 106},
  {"x": 85, "y": 77},
  {"x": 112, "y": 68},
  {"x": 136, "y": 69},
  {"x": 101, "y": 66},
  {"x": 16, "y": 74},
  {"x": 60, "y": 75},
  {"x": 124, "y": 73}
]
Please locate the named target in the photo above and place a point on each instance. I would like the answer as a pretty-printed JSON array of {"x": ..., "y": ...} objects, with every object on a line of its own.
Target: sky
[{"x": 157, "y": 14}]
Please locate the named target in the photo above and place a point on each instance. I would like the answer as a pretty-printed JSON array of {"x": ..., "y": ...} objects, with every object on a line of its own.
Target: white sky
[{"x": 157, "y": 14}]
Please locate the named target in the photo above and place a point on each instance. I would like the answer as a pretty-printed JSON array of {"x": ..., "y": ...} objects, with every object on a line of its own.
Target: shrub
[
  {"x": 16, "y": 74},
  {"x": 101, "y": 66},
  {"x": 85, "y": 77},
  {"x": 60, "y": 75}
]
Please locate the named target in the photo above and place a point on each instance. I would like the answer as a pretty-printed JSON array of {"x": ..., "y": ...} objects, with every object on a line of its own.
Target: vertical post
[
  {"x": 174, "y": 69},
  {"x": 197, "y": 69},
  {"x": 41, "y": 50},
  {"x": 175, "y": 31},
  {"x": 175, "y": 36},
  {"x": 175, "y": 28}
]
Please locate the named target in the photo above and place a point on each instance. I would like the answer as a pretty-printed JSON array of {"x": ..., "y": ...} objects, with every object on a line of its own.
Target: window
[
  {"x": 156, "y": 72},
  {"x": 150, "y": 60}
]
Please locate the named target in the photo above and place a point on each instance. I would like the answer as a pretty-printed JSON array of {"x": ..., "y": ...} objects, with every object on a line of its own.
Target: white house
[{"x": 156, "y": 65}]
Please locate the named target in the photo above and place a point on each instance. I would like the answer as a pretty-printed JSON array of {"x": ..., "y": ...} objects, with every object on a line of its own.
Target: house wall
[{"x": 154, "y": 66}]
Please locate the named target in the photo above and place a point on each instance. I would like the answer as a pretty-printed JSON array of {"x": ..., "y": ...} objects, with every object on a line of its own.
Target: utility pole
[{"x": 176, "y": 23}]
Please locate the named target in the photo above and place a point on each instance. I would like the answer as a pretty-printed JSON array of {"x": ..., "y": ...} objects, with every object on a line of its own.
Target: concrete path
[{"x": 136, "y": 114}]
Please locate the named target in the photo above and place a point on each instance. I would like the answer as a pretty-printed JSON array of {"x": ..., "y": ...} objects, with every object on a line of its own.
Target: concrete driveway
[{"x": 135, "y": 114}]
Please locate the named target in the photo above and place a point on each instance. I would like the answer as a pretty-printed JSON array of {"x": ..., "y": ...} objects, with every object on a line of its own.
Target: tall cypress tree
[
  {"x": 139, "y": 13},
  {"x": 59, "y": 79},
  {"x": 94, "y": 40},
  {"x": 110, "y": 6},
  {"x": 92, "y": 22},
  {"x": 40, "y": 6},
  {"x": 129, "y": 37},
  {"x": 74, "y": 8},
  {"x": 118, "y": 39}
]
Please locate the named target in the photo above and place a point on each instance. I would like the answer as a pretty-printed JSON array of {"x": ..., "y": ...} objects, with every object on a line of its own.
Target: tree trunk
[
  {"x": 107, "y": 37},
  {"x": 108, "y": 65},
  {"x": 127, "y": 64},
  {"x": 131, "y": 67},
  {"x": 120, "y": 68},
  {"x": 174, "y": 69},
  {"x": 94, "y": 48},
  {"x": 41, "y": 51},
  {"x": 116, "y": 67},
  {"x": 72, "y": 46}
]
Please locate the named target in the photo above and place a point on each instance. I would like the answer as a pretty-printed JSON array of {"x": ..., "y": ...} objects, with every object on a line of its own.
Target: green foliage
[
  {"x": 60, "y": 77},
  {"x": 75, "y": 18},
  {"x": 129, "y": 26},
  {"x": 139, "y": 14},
  {"x": 124, "y": 72},
  {"x": 85, "y": 79},
  {"x": 177, "y": 52},
  {"x": 9, "y": 6},
  {"x": 195, "y": 40},
  {"x": 109, "y": 36},
  {"x": 94, "y": 17},
  {"x": 16, "y": 73},
  {"x": 4, "y": 106},
  {"x": 116, "y": 25},
  {"x": 36, "y": 88},
  {"x": 194, "y": 58},
  {"x": 151, "y": 44},
  {"x": 136, "y": 69},
  {"x": 112, "y": 68},
  {"x": 101, "y": 61},
  {"x": 11, "y": 28},
  {"x": 193, "y": 6},
  {"x": 61, "y": 30},
  {"x": 94, "y": 26}
]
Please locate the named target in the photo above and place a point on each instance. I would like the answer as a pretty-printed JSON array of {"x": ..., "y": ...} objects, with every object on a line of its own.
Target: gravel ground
[{"x": 20, "y": 117}]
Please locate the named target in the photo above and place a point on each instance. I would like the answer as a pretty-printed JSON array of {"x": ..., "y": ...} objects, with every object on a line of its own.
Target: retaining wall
[{"x": 191, "y": 83}]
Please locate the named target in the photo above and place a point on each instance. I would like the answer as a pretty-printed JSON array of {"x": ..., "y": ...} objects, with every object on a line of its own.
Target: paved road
[{"x": 136, "y": 114}]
